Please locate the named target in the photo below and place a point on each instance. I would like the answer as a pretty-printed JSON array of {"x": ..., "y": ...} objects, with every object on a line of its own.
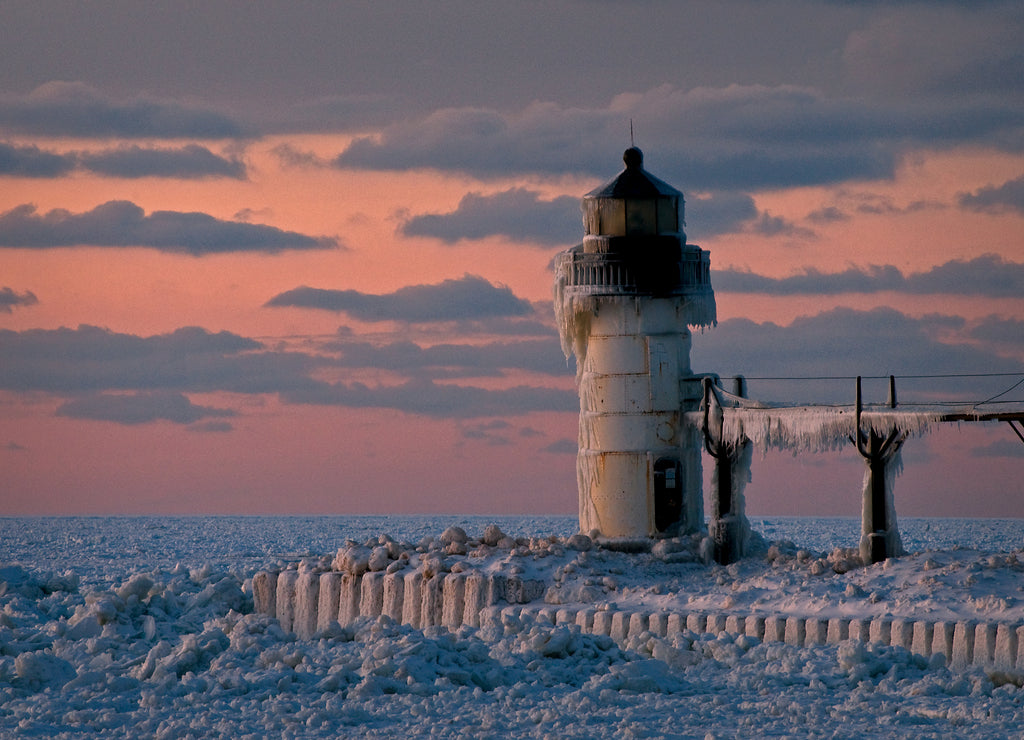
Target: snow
[{"x": 147, "y": 630}]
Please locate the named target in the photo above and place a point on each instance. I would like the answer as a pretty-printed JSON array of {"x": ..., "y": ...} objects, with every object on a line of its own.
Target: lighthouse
[{"x": 625, "y": 301}]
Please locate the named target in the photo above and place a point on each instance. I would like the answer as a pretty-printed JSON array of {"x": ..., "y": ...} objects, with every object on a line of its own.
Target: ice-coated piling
[
  {"x": 371, "y": 594},
  {"x": 1005, "y": 656},
  {"x": 264, "y": 592},
  {"x": 696, "y": 622},
  {"x": 394, "y": 592},
  {"x": 795, "y": 631},
  {"x": 859, "y": 629},
  {"x": 432, "y": 600},
  {"x": 901, "y": 633},
  {"x": 921, "y": 642},
  {"x": 774, "y": 628},
  {"x": 754, "y": 627},
  {"x": 330, "y": 597},
  {"x": 735, "y": 624},
  {"x": 453, "y": 596},
  {"x": 675, "y": 623},
  {"x": 942, "y": 639},
  {"x": 286, "y": 598},
  {"x": 657, "y": 623},
  {"x": 307, "y": 596},
  {"x": 348, "y": 599},
  {"x": 474, "y": 598},
  {"x": 838, "y": 630},
  {"x": 602, "y": 624},
  {"x": 880, "y": 631},
  {"x": 815, "y": 631},
  {"x": 412, "y": 604},
  {"x": 585, "y": 619},
  {"x": 985, "y": 644},
  {"x": 963, "y": 644}
]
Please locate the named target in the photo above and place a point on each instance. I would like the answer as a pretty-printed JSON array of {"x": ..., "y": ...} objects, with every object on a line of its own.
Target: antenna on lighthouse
[{"x": 631, "y": 142}]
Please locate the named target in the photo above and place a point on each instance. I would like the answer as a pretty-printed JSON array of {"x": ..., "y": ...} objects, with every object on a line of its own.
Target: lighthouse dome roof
[{"x": 634, "y": 181}]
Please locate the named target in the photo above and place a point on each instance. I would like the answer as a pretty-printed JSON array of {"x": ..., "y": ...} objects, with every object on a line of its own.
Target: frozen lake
[
  {"x": 142, "y": 627},
  {"x": 101, "y": 548}
]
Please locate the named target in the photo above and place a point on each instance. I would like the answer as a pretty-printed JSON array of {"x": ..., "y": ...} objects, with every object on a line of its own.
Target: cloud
[
  {"x": 129, "y": 379},
  {"x": 427, "y": 398},
  {"x": 92, "y": 359},
  {"x": 1001, "y": 448},
  {"x": 490, "y": 432},
  {"x": 518, "y": 214},
  {"x": 188, "y": 162},
  {"x": 718, "y": 213},
  {"x": 769, "y": 225},
  {"x": 843, "y": 343},
  {"x": 124, "y": 224},
  {"x": 988, "y": 275},
  {"x": 1008, "y": 197},
  {"x": 455, "y": 360},
  {"x": 77, "y": 110},
  {"x": 564, "y": 446},
  {"x": 999, "y": 330},
  {"x": 139, "y": 408},
  {"x": 735, "y": 137},
  {"x": 468, "y": 297},
  {"x": 31, "y": 161},
  {"x": 9, "y": 300}
]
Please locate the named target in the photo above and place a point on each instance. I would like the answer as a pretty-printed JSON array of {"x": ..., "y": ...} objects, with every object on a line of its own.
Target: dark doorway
[{"x": 668, "y": 494}]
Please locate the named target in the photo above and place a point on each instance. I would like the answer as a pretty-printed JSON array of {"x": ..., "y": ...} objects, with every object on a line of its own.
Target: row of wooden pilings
[
  {"x": 728, "y": 527},
  {"x": 310, "y": 602}
]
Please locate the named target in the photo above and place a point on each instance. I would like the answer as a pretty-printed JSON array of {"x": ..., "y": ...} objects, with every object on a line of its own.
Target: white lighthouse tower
[{"x": 625, "y": 300}]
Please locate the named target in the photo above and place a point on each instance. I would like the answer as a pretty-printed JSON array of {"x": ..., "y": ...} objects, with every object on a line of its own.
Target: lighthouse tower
[{"x": 625, "y": 300}]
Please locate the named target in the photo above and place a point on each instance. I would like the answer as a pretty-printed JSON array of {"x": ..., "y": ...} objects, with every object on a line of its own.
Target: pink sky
[{"x": 422, "y": 178}]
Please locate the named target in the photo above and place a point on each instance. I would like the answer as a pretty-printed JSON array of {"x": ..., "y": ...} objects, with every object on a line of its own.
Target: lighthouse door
[{"x": 668, "y": 494}]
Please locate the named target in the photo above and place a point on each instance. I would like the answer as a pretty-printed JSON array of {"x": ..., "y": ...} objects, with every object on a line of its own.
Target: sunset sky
[{"x": 295, "y": 257}]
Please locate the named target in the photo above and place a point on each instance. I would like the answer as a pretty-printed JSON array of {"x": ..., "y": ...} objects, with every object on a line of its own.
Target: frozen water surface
[{"x": 143, "y": 627}]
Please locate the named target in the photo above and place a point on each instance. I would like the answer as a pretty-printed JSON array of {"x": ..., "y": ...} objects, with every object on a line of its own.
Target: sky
[{"x": 295, "y": 257}]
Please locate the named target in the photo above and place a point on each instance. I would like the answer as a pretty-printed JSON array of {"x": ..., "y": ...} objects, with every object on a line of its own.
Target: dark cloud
[
  {"x": 468, "y": 297},
  {"x": 1008, "y": 197},
  {"x": 564, "y": 446},
  {"x": 9, "y": 300},
  {"x": 826, "y": 215},
  {"x": 1011, "y": 447},
  {"x": 130, "y": 379},
  {"x": 843, "y": 343},
  {"x": 457, "y": 360},
  {"x": 438, "y": 400},
  {"x": 519, "y": 214},
  {"x": 124, "y": 224},
  {"x": 490, "y": 432},
  {"x": 737, "y": 137},
  {"x": 139, "y": 408},
  {"x": 718, "y": 213},
  {"x": 31, "y": 161},
  {"x": 91, "y": 359},
  {"x": 769, "y": 225},
  {"x": 188, "y": 162},
  {"x": 999, "y": 330},
  {"x": 987, "y": 275},
  {"x": 78, "y": 110}
]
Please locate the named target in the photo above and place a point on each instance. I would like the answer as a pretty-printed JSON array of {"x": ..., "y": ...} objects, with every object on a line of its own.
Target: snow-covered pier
[{"x": 497, "y": 583}]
